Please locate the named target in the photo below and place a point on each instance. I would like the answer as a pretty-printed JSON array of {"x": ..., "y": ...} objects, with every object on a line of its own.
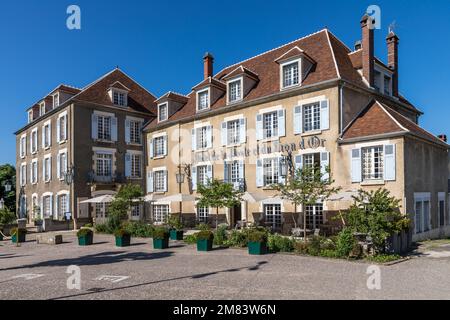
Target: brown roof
[
  {"x": 379, "y": 118},
  {"x": 173, "y": 96},
  {"x": 241, "y": 70}
]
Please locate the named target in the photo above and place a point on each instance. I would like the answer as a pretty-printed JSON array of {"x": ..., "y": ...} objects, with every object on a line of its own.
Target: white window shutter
[
  {"x": 94, "y": 126},
  {"x": 149, "y": 181},
  {"x": 259, "y": 173},
  {"x": 114, "y": 129},
  {"x": 281, "y": 123},
  {"x": 281, "y": 179},
  {"x": 50, "y": 168},
  {"x": 298, "y": 120},
  {"x": 43, "y": 169},
  {"x": 324, "y": 115},
  {"x": 67, "y": 204},
  {"x": 324, "y": 163},
  {"x": 389, "y": 162},
  {"x": 127, "y": 131},
  {"x": 194, "y": 139},
  {"x": 194, "y": 178},
  {"x": 226, "y": 172},
  {"x": 43, "y": 137},
  {"x": 259, "y": 127},
  {"x": 355, "y": 156},
  {"x": 223, "y": 134},
  {"x": 127, "y": 165},
  {"x": 209, "y": 136},
  {"x": 51, "y": 206},
  {"x": 242, "y": 130},
  {"x": 241, "y": 169},
  {"x": 150, "y": 148},
  {"x": 58, "y": 129},
  {"x": 165, "y": 145},
  {"x": 50, "y": 134},
  {"x": 58, "y": 166},
  {"x": 66, "y": 125},
  {"x": 298, "y": 162},
  {"x": 165, "y": 180},
  {"x": 209, "y": 172}
]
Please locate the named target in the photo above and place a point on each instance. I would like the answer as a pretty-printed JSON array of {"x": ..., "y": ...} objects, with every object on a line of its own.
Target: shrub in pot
[
  {"x": 123, "y": 238},
  {"x": 160, "y": 238},
  {"x": 176, "y": 228},
  {"x": 18, "y": 235},
  {"x": 205, "y": 240},
  {"x": 257, "y": 242},
  {"x": 85, "y": 237}
]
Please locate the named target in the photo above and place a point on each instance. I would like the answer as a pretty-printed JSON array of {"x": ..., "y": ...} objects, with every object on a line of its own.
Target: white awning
[
  {"x": 343, "y": 196},
  {"x": 151, "y": 197},
  {"x": 179, "y": 197},
  {"x": 100, "y": 199}
]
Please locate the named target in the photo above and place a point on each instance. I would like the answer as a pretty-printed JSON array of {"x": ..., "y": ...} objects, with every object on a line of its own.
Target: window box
[
  {"x": 123, "y": 241},
  {"x": 176, "y": 234},
  {"x": 257, "y": 248}
]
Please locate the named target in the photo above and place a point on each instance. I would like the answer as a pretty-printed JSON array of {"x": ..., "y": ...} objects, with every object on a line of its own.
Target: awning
[
  {"x": 100, "y": 199},
  {"x": 343, "y": 196},
  {"x": 179, "y": 197},
  {"x": 151, "y": 197},
  {"x": 252, "y": 197}
]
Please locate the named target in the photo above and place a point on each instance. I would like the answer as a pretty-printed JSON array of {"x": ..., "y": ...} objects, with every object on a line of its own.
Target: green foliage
[
  {"x": 345, "y": 243},
  {"x": 256, "y": 235},
  {"x": 237, "y": 239},
  {"x": 160, "y": 233},
  {"x": 139, "y": 229},
  {"x": 121, "y": 232},
  {"x": 16, "y": 231},
  {"x": 377, "y": 214},
  {"x": 301, "y": 247},
  {"x": 88, "y": 225},
  {"x": 83, "y": 232},
  {"x": 191, "y": 239},
  {"x": 383, "y": 258},
  {"x": 278, "y": 243},
  {"x": 8, "y": 174},
  {"x": 314, "y": 247},
  {"x": 205, "y": 235},
  {"x": 328, "y": 253},
  {"x": 220, "y": 235},
  {"x": 119, "y": 207},
  {"x": 175, "y": 222},
  {"x": 6, "y": 216},
  {"x": 101, "y": 228},
  {"x": 202, "y": 227}
]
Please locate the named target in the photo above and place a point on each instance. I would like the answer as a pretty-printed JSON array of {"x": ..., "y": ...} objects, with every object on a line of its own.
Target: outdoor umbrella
[
  {"x": 179, "y": 197},
  {"x": 100, "y": 199}
]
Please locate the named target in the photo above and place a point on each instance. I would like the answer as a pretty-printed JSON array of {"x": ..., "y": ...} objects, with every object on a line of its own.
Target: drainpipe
[
  {"x": 341, "y": 107},
  {"x": 71, "y": 135}
]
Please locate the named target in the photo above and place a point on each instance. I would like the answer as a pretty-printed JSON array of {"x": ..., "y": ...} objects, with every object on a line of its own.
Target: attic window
[
  {"x": 235, "y": 90},
  {"x": 203, "y": 100},
  {"x": 290, "y": 74},
  {"x": 162, "y": 112},
  {"x": 41, "y": 108},
  {"x": 56, "y": 100},
  {"x": 119, "y": 98}
]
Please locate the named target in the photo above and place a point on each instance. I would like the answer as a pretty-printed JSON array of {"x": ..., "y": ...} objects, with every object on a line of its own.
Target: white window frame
[
  {"x": 104, "y": 116},
  {"x": 56, "y": 100},
  {"x": 379, "y": 81},
  {"x": 136, "y": 174},
  {"x": 61, "y": 128},
  {"x": 34, "y": 171},
  {"x": 30, "y": 116},
  {"x": 273, "y": 129},
  {"x": 314, "y": 107},
  {"x": 47, "y": 144},
  {"x": 286, "y": 63},
  {"x": 163, "y": 172},
  {"x": 241, "y": 90},
  {"x": 23, "y": 174},
  {"x": 23, "y": 146},
  {"x": 422, "y": 197},
  {"x": 62, "y": 168},
  {"x": 134, "y": 122},
  {"x": 274, "y": 170},
  {"x": 273, "y": 214},
  {"x": 381, "y": 160},
  {"x": 47, "y": 170},
  {"x": 41, "y": 108},
  {"x": 58, "y": 212},
  {"x": 203, "y": 214},
  {"x": 166, "y": 105},
  {"x": 156, "y": 146},
  {"x": 208, "y": 91},
  {"x": 34, "y": 141},
  {"x": 50, "y": 207},
  {"x": 102, "y": 152},
  {"x": 122, "y": 97},
  {"x": 162, "y": 215}
]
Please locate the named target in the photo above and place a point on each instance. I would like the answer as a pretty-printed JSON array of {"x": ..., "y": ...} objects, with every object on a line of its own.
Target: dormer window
[
  {"x": 119, "y": 98},
  {"x": 41, "y": 109},
  {"x": 387, "y": 85},
  {"x": 30, "y": 116},
  {"x": 235, "y": 90},
  {"x": 56, "y": 100},
  {"x": 163, "y": 112},
  {"x": 290, "y": 72},
  {"x": 203, "y": 100}
]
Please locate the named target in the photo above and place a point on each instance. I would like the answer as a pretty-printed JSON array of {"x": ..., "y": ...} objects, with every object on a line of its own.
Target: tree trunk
[
  {"x": 217, "y": 217},
  {"x": 304, "y": 224}
]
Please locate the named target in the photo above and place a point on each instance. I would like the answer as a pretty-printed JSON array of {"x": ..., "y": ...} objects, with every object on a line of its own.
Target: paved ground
[{"x": 39, "y": 272}]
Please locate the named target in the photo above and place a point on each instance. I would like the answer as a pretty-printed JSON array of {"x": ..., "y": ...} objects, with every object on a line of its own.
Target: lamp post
[
  {"x": 69, "y": 176},
  {"x": 2, "y": 203},
  {"x": 180, "y": 180}
]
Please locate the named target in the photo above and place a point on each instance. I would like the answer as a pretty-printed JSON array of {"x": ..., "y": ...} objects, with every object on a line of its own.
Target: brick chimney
[
  {"x": 367, "y": 48},
  {"x": 208, "y": 61},
  {"x": 392, "y": 47}
]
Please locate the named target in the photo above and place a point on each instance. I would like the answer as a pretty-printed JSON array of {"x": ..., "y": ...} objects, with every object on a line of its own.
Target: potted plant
[
  {"x": 160, "y": 238},
  {"x": 176, "y": 228},
  {"x": 123, "y": 238},
  {"x": 18, "y": 235},
  {"x": 205, "y": 240},
  {"x": 257, "y": 242},
  {"x": 85, "y": 237}
]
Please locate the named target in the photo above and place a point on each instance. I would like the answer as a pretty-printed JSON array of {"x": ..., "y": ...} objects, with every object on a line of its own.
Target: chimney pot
[
  {"x": 208, "y": 61},
  {"x": 443, "y": 137}
]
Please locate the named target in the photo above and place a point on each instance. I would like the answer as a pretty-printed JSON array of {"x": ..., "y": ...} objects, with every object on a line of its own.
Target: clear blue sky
[{"x": 160, "y": 44}]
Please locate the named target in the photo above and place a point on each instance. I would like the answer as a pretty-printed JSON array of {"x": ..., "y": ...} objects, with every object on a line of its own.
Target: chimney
[
  {"x": 392, "y": 47},
  {"x": 367, "y": 48},
  {"x": 208, "y": 61},
  {"x": 443, "y": 137}
]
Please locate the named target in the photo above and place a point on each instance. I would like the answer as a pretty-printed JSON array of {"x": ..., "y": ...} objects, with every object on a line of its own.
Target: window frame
[
  {"x": 166, "y": 105},
  {"x": 282, "y": 79},
  {"x": 373, "y": 164},
  {"x": 200, "y": 92},
  {"x": 239, "y": 80},
  {"x": 274, "y": 130},
  {"x": 274, "y": 171},
  {"x": 315, "y": 111},
  {"x": 163, "y": 215}
]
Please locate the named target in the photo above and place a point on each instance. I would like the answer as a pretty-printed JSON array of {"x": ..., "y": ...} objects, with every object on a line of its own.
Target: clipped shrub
[
  {"x": 257, "y": 236},
  {"x": 328, "y": 253},
  {"x": 345, "y": 243},
  {"x": 191, "y": 239},
  {"x": 175, "y": 222},
  {"x": 88, "y": 225},
  {"x": 205, "y": 235},
  {"x": 237, "y": 239},
  {"x": 203, "y": 227},
  {"x": 83, "y": 232},
  {"x": 121, "y": 233},
  {"x": 160, "y": 233},
  {"x": 101, "y": 228},
  {"x": 139, "y": 229},
  {"x": 314, "y": 247},
  {"x": 278, "y": 243},
  {"x": 220, "y": 235}
]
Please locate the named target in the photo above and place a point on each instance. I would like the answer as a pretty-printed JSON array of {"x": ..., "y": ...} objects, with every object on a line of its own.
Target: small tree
[
  {"x": 217, "y": 194},
  {"x": 118, "y": 209},
  {"x": 377, "y": 214},
  {"x": 307, "y": 186}
]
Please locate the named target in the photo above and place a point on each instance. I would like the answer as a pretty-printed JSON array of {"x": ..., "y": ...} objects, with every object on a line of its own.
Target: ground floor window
[
  {"x": 272, "y": 213},
  {"x": 35, "y": 206},
  {"x": 202, "y": 214},
  {"x": 160, "y": 213},
  {"x": 271, "y": 171},
  {"x": 441, "y": 212},
  {"x": 135, "y": 211},
  {"x": 314, "y": 216},
  {"x": 62, "y": 205},
  {"x": 47, "y": 206},
  {"x": 422, "y": 215},
  {"x": 101, "y": 210}
]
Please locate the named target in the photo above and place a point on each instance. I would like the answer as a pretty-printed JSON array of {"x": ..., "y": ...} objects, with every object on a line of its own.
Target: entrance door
[{"x": 236, "y": 215}]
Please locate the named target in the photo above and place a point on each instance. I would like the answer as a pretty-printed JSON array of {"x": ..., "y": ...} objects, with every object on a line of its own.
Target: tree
[
  {"x": 377, "y": 214},
  {"x": 118, "y": 209},
  {"x": 218, "y": 194},
  {"x": 306, "y": 187},
  {"x": 8, "y": 175}
]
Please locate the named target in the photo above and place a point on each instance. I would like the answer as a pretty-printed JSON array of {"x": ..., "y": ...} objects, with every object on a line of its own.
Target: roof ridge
[
  {"x": 333, "y": 55},
  {"x": 383, "y": 107}
]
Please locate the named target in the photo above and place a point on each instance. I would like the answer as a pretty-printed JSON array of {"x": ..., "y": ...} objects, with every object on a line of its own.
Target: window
[
  {"x": 119, "y": 98},
  {"x": 271, "y": 171},
  {"x": 62, "y": 124},
  {"x": 160, "y": 181},
  {"x": 23, "y": 174},
  {"x": 233, "y": 132},
  {"x": 163, "y": 112},
  {"x": 135, "y": 132},
  {"x": 104, "y": 165},
  {"x": 312, "y": 160},
  {"x": 30, "y": 116},
  {"x": 311, "y": 117},
  {"x": 372, "y": 163},
  {"x": 62, "y": 206},
  {"x": 41, "y": 109},
  {"x": 135, "y": 211},
  {"x": 136, "y": 163},
  {"x": 233, "y": 172},
  {"x": 34, "y": 141},
  {"x": 270, "y": 124},
  {"x": 387, "y": 85},
  {"x": 272, "y": 213},
  {"x": 62, "y": 165},
  {"x": 376, "y": 81},
  {"x": 203, "y": 100},
  {"x": 441, "y": 208},
  {"x": 34, "y": 171},
  {"x": 160, "y": 213},
  {"x": 46, "y": 136},
  {"x": 314, "y": 216},
  {"x": 159, "y": 144},
  {"x": 235, "y": 90},
  {"x": 104, "y": 128},
  {"x": 35, "y": 206},
  {"x": 23, "y": 146},
  {"x": 47, "y": 169},
  {"x": 202, "y": 138},
  {"x": 290, "y": 74},
  {"x": 99, "y": 210},
  {"x": 47, "y": 206},
  {"x": 202, "y": 214},
  {"x": 202, "y": 175},
  {"x": 56, "y": 100},
  {"x": 422, "y": 213}
]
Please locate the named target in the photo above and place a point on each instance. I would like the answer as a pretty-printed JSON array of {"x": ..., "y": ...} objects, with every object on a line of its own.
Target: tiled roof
[{"x": 379, "y": 118}]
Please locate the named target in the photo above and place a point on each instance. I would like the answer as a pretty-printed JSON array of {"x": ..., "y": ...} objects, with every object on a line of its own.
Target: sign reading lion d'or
[{"x": 313, "y": 142}]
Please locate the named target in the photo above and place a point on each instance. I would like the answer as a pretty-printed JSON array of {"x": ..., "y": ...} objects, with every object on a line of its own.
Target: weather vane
[{"x": 392, "y": 27}]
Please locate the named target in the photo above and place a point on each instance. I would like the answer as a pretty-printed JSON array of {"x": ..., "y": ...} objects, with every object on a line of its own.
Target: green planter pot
[
  {"x": 16, "y": 239},
  {"x": 123, "y": 241},
  {"x": 176, "y": 234},
  {"x": 85, "y": 240},
  {"x": 257, "y": 248},
  {"x": 204, "y": 245},
  {"x": 161, "y": 243}
]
